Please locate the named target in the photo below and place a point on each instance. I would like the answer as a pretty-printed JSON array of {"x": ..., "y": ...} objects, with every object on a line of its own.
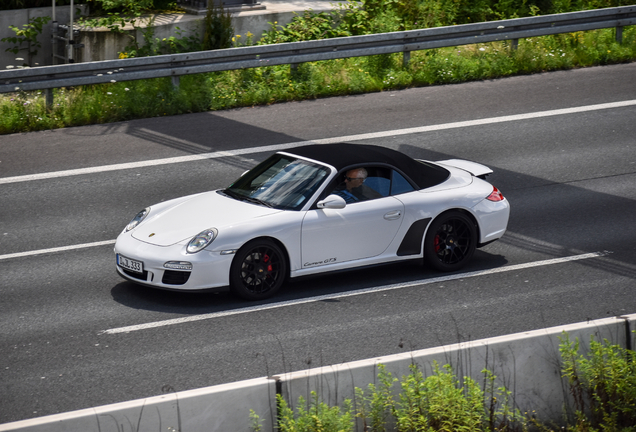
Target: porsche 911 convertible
[{"x": 314, "y": 209}]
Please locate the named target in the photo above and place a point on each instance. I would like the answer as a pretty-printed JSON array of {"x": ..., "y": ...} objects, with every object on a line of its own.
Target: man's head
[{"x": 355, "y": 177}]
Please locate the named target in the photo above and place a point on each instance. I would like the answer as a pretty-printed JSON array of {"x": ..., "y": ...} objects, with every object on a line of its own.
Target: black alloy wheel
[
  {"x": 258, "y": 270},
  {"x": 450, "y": 241}
]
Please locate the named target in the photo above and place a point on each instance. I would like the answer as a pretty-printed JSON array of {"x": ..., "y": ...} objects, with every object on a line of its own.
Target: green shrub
[
  {"x": 314, "y": 416},
  {"x": 218, "y": 31},
  {"x": 603, "y": 385},
  {"x": 438, "y": 402}
]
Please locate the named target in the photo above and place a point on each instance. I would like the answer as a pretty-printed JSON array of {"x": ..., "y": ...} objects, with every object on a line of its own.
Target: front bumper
[{"x": 209, "y": 269}]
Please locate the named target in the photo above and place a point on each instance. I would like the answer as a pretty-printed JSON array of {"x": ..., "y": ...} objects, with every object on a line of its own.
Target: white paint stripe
[
  {"x": 272, "y": 148},
  {"x": 352, "y": 293},
  {"x": 56, "y": 249}
]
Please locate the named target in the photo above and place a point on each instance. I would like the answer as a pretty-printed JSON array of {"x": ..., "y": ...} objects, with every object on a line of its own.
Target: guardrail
[{"x": 176, "y": 65}]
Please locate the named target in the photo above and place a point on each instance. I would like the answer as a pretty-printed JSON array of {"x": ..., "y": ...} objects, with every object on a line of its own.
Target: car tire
[
  {"x": 258, "y": 270},
  {"x": 450, "y": 241}
]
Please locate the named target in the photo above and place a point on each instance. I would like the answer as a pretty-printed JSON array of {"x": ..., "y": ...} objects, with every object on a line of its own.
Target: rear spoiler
[{"x": 476, "y": 169}]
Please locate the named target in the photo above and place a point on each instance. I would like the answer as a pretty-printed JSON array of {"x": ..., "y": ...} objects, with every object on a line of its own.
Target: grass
[{"x": 105, "y": 103}]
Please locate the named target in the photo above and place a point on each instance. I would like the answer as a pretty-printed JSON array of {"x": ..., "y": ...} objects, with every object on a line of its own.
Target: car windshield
[{"x": 281, "y": 181}]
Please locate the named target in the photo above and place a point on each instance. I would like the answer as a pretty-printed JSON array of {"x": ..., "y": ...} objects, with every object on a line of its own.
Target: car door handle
[{"x": 392, "y": 215}]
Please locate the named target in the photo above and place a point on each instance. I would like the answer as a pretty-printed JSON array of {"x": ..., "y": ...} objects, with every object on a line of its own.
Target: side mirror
[{"x": 332, "y": 202}]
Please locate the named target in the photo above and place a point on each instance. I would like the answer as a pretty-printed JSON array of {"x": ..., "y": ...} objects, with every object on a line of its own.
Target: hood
[{"x": 188, "y": 217}]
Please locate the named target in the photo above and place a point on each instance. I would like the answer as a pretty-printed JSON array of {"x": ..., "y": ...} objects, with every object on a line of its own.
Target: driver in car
[{"x": 351, "y": 192}]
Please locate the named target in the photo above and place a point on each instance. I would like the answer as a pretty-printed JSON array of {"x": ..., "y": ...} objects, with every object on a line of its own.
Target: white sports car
[{"x": 314, "y": 209}]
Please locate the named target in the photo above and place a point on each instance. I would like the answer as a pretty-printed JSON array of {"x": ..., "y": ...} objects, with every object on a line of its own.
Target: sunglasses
[{"x": 353, "y": 178}]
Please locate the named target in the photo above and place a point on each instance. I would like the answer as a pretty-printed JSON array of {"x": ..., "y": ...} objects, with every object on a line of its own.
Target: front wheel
[
  {"x": 450, "y": 241},
  {"x": 258, "y": 270}
]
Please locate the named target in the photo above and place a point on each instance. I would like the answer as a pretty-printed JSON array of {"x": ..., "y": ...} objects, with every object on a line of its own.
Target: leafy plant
[
  {"x": 28, "y": 35},
  {"x": 603, "y": 384},
  {"x": 376, "y": 408},
  {"x": 256, "y": 421},
  {"x": 306, "y": 26},
  {"x": 439, "y": 402},
  {"x": 315, "y": 416},
  {"x": 218, "y": 30},
  {"x": 153, "y": 46}
]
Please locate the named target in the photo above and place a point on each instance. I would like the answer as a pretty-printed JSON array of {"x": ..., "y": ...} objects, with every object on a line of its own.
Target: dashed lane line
[{"x": 56, "y": 249}]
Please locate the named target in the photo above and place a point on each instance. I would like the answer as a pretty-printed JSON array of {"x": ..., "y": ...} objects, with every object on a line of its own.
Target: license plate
[{"x": 130, "y": 264}]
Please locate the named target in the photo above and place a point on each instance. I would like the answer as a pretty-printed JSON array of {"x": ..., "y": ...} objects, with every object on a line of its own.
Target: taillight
[{"x": 495, "y": 195}]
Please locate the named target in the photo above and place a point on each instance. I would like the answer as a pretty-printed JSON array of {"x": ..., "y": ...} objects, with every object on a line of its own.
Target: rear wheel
[
  {"x": 258, "y": 270},
  {"x": 450, "y": 241}
]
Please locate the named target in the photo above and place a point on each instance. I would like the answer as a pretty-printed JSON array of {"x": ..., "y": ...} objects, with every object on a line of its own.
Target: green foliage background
[{"x": 104, "y": 103}]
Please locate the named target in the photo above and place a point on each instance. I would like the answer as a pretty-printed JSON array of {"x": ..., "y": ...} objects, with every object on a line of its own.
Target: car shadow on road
[{"x": 329, "y": 284}]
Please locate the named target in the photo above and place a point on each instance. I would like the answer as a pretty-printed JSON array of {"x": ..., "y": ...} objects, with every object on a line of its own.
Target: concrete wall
[
  {"x": 19, "y": 18},
  {"x": 527, "y": 363},
  {"x": 100, "y": 44},
  {"x": 219, "y": 408}
]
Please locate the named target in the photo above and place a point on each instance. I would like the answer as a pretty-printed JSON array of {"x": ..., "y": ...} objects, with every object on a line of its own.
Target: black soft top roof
[{"x": 344, "y": 155}]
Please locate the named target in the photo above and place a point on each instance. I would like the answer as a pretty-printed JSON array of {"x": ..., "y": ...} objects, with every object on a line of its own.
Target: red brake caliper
[
  {"x": 265, "y": 260},
  {"x": 437, "y": 244}
]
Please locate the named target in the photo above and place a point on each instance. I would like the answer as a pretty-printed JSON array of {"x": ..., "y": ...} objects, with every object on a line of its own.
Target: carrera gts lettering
[{"x": 317, "y": 263}]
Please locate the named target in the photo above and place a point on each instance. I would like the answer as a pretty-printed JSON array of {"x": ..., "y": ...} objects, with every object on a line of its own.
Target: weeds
[
  {"x": 272, "y": 84},
  {"x": 602, "y": 383},
  {"x": 218, "y": 29},
  {"x": 27, "y": 35},
  {"x": 314, "y": 416},
  {"x": 438, "y": 402}
]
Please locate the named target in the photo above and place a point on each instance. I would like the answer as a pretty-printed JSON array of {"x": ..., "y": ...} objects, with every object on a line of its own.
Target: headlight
[
  {"x": 201, "y": 240},
  {"x": 137, "y": 219}
]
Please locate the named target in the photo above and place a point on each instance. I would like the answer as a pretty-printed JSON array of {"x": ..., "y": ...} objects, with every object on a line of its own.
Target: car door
[{"x": 359, "y": 230}]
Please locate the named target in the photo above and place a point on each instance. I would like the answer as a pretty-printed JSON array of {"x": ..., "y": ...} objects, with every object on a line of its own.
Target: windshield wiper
[
  {"x": 257, "y": 201},
  {"x": 240, "y": 197},
  {"x": 232, "y": 194}
]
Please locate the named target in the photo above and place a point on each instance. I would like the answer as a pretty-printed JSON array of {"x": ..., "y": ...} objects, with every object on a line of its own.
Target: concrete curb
[
  {"x": 527, "y": 363},
  {"x": 224, "y": 407}
]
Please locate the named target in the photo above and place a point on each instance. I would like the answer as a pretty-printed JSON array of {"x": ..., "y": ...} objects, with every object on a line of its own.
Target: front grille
[
  {"x": 173, "y": 277},
  {"x": 141, "y": 276}
]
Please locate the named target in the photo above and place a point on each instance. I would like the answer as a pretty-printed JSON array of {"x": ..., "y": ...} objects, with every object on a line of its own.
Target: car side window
[
  {"x": 363, "y": 184},
  {"x": 399, "y": 184}
]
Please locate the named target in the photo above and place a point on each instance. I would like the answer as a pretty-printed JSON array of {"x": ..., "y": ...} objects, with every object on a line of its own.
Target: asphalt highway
[{"x": 75, "y": 335}]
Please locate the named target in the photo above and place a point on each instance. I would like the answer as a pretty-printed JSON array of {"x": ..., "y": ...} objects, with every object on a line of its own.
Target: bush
[
  {"x": 218, "y": 31},
  {"x": 603, "y": 385}
]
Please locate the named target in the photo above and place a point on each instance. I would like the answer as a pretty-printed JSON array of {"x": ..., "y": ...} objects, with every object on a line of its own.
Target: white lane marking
[
  {"x": 56, "y": 249},
  {"x": 273, "y": 148},
  {"x": 440, "y": 279}
]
